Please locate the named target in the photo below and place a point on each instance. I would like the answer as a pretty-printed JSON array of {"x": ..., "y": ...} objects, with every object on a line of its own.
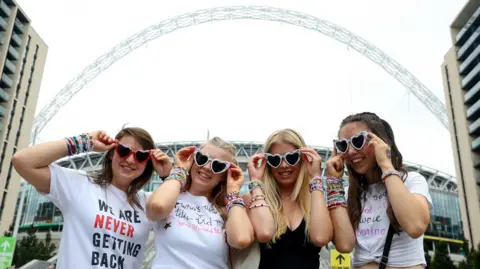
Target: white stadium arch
[{"x": 303, "y": 20}]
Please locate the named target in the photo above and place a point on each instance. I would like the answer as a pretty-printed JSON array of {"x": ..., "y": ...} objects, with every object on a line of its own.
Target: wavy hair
[
  {"x": 358, "y": 183},
  {"x": 300, "y": 192},
  {"x": 105, "y": 175}
]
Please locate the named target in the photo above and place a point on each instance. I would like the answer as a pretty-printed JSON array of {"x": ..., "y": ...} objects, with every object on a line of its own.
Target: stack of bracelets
[
  {"x": 79, "y": 144},
  {"x": 179, "y": 174},
  {"x": 233, "y": 199},
  {"x": 253, "y": 185},
  {"x": 335, "y": 193}
]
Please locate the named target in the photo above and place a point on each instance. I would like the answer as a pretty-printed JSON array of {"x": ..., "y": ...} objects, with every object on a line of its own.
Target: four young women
[{"x": 200, "y": 218}]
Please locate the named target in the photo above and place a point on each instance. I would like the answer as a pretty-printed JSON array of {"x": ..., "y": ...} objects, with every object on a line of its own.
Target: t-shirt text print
[
  {"x": 119, "y": 225},
  {"x": 101, "y": 229},
  {"x": 192, "y": 236}
]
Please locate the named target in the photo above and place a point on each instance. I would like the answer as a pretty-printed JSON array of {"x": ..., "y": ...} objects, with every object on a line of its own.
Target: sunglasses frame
[
  {"x": 283, "y": 157},
  {"x": 134, "y": 152},
  {"x": 349, "y": 142},
  {"x": 210, "y": 160}
]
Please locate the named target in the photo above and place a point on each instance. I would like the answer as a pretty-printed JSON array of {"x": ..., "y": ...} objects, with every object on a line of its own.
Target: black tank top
[{"x": 292, "y": 250}]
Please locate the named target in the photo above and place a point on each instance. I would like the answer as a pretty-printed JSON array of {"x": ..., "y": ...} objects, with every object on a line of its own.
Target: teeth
[
  {"x": 356, "y": 160},
  {"x": 285, "y": 173}
]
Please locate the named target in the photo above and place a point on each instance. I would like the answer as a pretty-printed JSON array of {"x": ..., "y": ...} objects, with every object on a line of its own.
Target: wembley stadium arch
[{"x": 342, "y": 35}]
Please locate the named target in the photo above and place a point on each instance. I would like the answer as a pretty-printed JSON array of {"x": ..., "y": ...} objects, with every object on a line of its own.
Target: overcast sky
[{"x": 245, "y": 79}]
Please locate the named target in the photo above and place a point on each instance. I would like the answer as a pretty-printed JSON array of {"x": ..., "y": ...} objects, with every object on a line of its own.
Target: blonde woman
[
  {"x": 287, "y": 203},
  {"x": 199, "y": 211}
]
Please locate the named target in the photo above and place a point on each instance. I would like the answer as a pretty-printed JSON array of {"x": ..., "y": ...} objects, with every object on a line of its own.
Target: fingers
[
  {"x": 338, "y": 164},
  {"x": 105, "y": 138},
  {"x": 256, "y": 159},
  {"x": 334, "y": 151},
  {"x": 159, "y": 155},
  {"x": 311, "y": 153},
  {"x": 186, "y": 152}
]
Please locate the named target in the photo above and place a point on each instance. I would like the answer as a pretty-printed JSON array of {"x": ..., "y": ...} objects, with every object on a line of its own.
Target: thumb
[
  {"x": 229, "y": 174},
  {"x": 110, "y": 146}
]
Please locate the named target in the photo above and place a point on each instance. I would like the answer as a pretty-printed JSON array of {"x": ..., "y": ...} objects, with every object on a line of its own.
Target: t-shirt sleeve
[
  {"x": 65, "y": 184},
  {"x": 416, "y": 183}
]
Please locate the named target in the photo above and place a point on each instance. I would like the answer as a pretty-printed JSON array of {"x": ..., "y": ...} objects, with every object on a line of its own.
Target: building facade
[
  {"x": 461, "y": 80},
  {"x": 446, "y": 223},
  {"x": 22, "y": 60}
]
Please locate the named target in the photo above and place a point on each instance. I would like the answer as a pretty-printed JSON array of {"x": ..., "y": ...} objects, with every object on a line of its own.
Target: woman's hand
[
  {"x": 161, "y": 162},
  {"x": 184, "y": 158},
  {"x": 312, "y": 161}
]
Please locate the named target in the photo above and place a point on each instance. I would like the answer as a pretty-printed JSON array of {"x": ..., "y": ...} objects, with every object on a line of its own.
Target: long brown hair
[
  {"x": 219, "y": 192},
  {"x": 105, "y": 175},
  {"x": 358, "y": 183}
]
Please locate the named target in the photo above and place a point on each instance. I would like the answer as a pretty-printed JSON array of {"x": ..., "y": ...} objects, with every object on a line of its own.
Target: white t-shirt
[
  {"x": 101, "y": 229},
  {"x": 191, "y": 237},
  {"x": 374, "y": 223}
]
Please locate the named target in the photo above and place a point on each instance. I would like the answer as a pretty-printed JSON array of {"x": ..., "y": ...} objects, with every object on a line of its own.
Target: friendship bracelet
[
  {"x": 257, "y": 198},
  {"x": 316, "y": 184},
  {"x": 391, "y": 173},
  {"x": 255, "y": 184},
  {"x": 336, "y": 204},
  {"x": 233, "y": 199},
  {"x": 79, "y": 144},
  {"x": 258, "y": 205},
  {"x": 179, "y": 174}
]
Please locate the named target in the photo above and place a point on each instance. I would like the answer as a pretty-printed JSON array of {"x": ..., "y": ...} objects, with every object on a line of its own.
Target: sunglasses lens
[
  {"x": 123, "y": 151},
  {"x": 218, "y": 166},
  {"x": 358, "y": 141},
  {"x": 201, "y": 159},
  {"x": 292, "y": 158},
  {"x": 274, "y": 160},
  {"x": 341, "y": 146},
  {"x": 142, "y": 156}
]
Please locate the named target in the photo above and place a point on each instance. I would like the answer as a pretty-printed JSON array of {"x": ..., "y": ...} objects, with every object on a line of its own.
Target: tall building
[
  {"x": 461, "y": 80},
  {"x": 445, "y": 225},
  {"x": 22, "y": 60}
]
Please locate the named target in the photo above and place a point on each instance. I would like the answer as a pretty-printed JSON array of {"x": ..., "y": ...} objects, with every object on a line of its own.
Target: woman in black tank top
[{"x": 298, "y": 223}]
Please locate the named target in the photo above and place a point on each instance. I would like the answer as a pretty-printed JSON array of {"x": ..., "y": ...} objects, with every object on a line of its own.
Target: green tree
[
  {"x": 441, "y": 258},
  {"x": 30, "y": 248}
]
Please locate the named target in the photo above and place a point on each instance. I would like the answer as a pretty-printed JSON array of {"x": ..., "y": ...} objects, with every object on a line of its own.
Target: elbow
[
  {"x": 240, "y": 241},
  {"x": 416, "y": 229},
  {"x": 320, "y": 240},
  {"x": 17, "y": 160},
  {"x": 155, "y": 210},
  {"x": 265, "y": 235},
  {"x": 345, "y": 247}
]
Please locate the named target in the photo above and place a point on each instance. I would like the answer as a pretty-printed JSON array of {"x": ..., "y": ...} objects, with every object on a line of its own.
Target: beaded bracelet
[
  {"x": 255, "y": 184},
  {"x": 179, "y": 174},
  {"x": 233, "y": 199},
  {"x": 79, "y": 144},
  {"x": 391, "y": 173},
  {"x": 335, "y": 193},
  {"x": 316, "y": 184},
  {"x": 259, "y": 205},
  {"x": 257, "y": 198}
]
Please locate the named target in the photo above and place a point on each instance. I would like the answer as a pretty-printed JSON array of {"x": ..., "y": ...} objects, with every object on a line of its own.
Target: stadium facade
[{"x": 445, "y": 224}]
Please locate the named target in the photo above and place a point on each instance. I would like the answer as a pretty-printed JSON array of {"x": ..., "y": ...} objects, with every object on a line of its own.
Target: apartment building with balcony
[
  {"x": 22, "y": 60},
  {"x": 461, "y": 80}
]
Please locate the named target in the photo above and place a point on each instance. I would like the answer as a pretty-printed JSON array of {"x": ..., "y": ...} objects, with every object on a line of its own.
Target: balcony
[
  {"x": 470, "y": 62},
  {"x": 3, "y": 24},
  {"x": 471, "y": 79},
  {"x": 5, "y": 10},
  {"x": 13, "y": 53},
  {"x": 469, "y": 46},
  {"x": 473, "y": 94},
  {"x": 10, "y": 68},
  {"x": 474, "y": 21},
  {"x": 19, "y": 26},
  {"x": 3, "y": 96},
  {"x": 473, "y": 112},
  {"x": 17, "y": 40},
  {"x": 2, "y": 111},
  {"x": 6, "y": 81},
  {"x": 476, "y": 145},
  {"x": 474, "y": 128}
]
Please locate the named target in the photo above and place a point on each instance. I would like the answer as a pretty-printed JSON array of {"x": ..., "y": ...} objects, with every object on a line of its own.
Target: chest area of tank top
[{"x": 293, "y": 239}]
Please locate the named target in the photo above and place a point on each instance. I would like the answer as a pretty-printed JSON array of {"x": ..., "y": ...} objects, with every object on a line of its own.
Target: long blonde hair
[
  {"x": 219, "y": 192},
  {"x": 300, "y": 192}
]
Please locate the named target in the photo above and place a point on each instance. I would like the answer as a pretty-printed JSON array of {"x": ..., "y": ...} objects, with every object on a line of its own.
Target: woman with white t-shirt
[
  {"x": 199, "y": 210},
  {"x": 105, "y": 225},
  {"x": 382, "y": 195}
]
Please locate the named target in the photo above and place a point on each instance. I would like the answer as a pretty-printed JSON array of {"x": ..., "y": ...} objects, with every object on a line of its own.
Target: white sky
[{"x": 245, "y": 79}]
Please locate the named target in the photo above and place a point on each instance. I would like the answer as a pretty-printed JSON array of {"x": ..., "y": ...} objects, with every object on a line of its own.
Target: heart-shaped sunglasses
[
  {"x": 140, "y": 156},
  {"x": 357, "y": 142},
  {"x": 217, "y": 166},
  {"x": 275, "y": 160}
]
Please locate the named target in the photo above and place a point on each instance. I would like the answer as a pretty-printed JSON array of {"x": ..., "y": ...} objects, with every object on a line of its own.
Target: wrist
[
  {"x": 232, "y": 189},
  {"x": 386, "y": 167}
]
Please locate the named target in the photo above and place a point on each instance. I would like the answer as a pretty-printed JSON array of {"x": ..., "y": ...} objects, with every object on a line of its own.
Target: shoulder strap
[{"x": 386, "y": 248}]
